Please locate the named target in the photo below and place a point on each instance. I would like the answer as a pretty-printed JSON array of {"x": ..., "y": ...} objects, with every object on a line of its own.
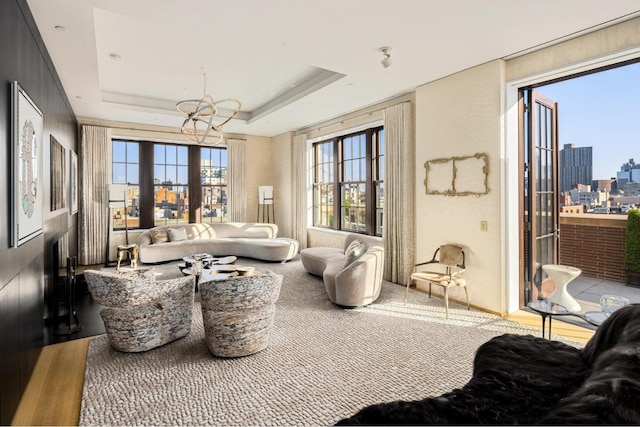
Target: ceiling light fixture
[
  {"x": 202, "y": 117},
  {"x": 386, "y": 61},
  {"x": 60, "y": 28}
]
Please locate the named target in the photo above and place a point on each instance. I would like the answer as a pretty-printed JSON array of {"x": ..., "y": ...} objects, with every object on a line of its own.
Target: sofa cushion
[
  {"x": 177, "y": 234},
  {"x": 355, "y": 253},
  {"x": 159, "y": 235},
  {"x": 351, "y": 247}
]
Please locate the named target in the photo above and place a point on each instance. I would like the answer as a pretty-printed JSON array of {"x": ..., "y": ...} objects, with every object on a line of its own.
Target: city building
[
  {"x": 575, "y": 166},
  {"x": 629, "y": 172}
]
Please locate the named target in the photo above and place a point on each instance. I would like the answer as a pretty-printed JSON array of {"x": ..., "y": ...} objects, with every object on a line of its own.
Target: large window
[
  {"x": 170, "y": 184},
  {"x": 349, "y": 179},
  {"x": 161, "y": 182},
  {"x": 213, "y": 179},
  {"x": 126, "y": 170}
]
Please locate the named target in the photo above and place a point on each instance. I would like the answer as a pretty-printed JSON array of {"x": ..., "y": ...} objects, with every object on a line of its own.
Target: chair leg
[
  {"x": 467, "y": 294},
  {"x": 446, "y": 302},
  {"x": 406, "y": 291},
  {"x": 429, "y": 290}
]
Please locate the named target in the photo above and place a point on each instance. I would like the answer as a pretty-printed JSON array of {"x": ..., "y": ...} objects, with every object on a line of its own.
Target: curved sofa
[
  {"x": 251, "y": 240},
  {"x": 352, "y": 285}
]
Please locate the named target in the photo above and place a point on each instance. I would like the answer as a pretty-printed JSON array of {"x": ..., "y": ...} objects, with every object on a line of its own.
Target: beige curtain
[
  {"x": 94, "y": 173},
  {"x": 300, "y": 170},
  {"x": 399, "y": 193},
  {"x": 237, "y": 194}
]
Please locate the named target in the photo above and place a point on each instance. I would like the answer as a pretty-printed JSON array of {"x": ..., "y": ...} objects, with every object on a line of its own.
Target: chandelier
[{"x": 203, "y": 119}]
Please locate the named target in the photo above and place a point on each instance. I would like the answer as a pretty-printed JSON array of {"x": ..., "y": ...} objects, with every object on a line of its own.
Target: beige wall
[
  {"x": 459, "y": 116},
  {"x": 259, "y": 171},
  {"x": 282, "y": 165}
]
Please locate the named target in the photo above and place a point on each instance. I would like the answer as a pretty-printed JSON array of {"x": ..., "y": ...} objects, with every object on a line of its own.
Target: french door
[{"x": 539, "y": 193}]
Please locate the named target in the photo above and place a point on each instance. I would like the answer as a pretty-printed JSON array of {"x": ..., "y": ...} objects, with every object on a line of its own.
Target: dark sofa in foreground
[{"x": 522, "y": 379}]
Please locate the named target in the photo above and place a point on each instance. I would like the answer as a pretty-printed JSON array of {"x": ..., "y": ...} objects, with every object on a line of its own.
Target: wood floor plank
[{"x": 54, "y": 392}]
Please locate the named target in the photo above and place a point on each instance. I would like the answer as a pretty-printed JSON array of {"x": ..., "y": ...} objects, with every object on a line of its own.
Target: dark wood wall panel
[{"x": 26, "y": 272}]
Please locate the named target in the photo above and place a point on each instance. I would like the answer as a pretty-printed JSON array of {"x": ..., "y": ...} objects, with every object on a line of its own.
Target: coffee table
[
  {"x": 218, "y": 272},
  {"x": 549, "y": 309}
]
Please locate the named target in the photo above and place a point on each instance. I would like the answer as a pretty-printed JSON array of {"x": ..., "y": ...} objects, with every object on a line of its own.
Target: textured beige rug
[{"x": 324, "y": 363}]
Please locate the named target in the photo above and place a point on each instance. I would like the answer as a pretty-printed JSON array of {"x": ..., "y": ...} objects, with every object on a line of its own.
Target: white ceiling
[{"x": 265, "y": 51}]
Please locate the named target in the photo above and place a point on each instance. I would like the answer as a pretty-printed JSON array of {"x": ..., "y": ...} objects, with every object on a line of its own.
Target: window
[
  {"x": 213, "y": 179},
  {"x": 126, "y": 170},
  {"x": 170, "y": 184},
  {"x": 346, "y": 171}
]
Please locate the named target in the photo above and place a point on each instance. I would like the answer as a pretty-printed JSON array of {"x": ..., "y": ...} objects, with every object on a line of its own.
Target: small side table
[
  {"x": 548, "y": 309},
  {"x": 128, "y": 251}
]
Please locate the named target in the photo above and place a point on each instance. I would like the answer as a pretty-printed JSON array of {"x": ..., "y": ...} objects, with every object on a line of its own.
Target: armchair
[
  {"x": 142, "y": 313},
  {"x": 444, "y": 270}
]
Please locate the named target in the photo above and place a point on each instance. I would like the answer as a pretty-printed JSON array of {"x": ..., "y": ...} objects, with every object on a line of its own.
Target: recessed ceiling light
[
  {"x": 115, "y": 56},
  {"x": 78, "y": 97},
  {"x": 60, "y": 28},
  {"x": 349, "y": 84}
]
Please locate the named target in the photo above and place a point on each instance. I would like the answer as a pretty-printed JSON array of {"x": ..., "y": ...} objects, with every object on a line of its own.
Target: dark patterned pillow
[{"x": 159, "y": 235}]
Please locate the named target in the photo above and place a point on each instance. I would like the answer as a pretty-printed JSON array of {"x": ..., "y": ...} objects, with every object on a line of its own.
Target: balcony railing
[{"x": 594, "y": 243}]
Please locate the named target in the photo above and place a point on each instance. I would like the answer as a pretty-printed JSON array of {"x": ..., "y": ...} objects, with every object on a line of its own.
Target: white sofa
[
  {"x": 252, "y": 240},
  {"x": 352, "y": 285}
]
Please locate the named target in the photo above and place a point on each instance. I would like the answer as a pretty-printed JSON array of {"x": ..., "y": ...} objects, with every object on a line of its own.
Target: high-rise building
[
  {"x": 575, "y": 166},
  {"x": 629, "y": 172}
]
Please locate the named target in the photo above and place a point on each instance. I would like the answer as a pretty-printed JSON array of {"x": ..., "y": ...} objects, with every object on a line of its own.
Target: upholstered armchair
[
  {"x": 141, "y": 313},
  {"x": 238, "y": 313}
]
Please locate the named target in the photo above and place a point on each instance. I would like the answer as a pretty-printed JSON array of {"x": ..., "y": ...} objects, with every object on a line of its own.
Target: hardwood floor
[{"x": 54, "y": 393}]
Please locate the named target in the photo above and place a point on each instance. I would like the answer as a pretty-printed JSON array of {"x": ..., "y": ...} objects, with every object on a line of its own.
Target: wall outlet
[{"x": 483, "y": 226}]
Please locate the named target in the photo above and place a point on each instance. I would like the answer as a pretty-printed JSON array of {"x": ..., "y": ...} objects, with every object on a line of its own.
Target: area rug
[{"x": 324, "y": 363}]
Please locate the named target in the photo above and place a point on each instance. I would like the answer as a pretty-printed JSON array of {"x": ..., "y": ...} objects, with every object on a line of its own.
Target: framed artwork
[
  {"x": 73, "y": 182},
  {"x": 26, "y": 167},
  {"x": 58, "y": 175},
  {"x": 458, "y": 176}
]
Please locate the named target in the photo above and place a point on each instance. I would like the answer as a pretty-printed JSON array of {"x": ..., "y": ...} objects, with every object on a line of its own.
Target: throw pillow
[
  {"x": 356, "y": 253},
  {"x": 351, "y": 246},
  {"x": 159, "y": 235},
  {"x": 177, "y": 234}
]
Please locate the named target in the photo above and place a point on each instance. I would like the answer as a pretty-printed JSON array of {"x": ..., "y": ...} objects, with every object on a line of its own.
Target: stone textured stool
[
  {"x": 238, "y": 313},
  {"x": 128, "y": 251}
]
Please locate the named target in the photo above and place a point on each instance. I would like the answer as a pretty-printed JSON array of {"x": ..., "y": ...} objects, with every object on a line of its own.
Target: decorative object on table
[
  {"x": 205, "y": 117},
  {"x": 265, "y": 204},
  {"x": 238, "y": 313},
  {"x": 58, "y": 174},
  {"x": 73, "y": 182},
  {"x": 562, "y": 275},
  {"x": 141, "y": 313},
  {"x": 444, "y": 270},
  {"x": 611, "y": 303},
  {"x": 632, "y": 248},
  {"x": 458, "y": 176},
  {"x": 26, "y": 167}
]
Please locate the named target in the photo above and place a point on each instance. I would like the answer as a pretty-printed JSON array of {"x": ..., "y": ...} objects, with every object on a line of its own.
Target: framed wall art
[
  {"x": 58, "y": 175},
  {"x": 26, "y": 167},
  {"x": 73, "y": 182}
]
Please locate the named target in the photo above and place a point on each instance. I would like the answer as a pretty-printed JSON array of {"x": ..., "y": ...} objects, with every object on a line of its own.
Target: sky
[{"x": 601, "y": 110}]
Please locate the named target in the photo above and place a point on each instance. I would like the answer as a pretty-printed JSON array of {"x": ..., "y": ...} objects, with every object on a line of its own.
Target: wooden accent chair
[{"x": 444, "y": 270}]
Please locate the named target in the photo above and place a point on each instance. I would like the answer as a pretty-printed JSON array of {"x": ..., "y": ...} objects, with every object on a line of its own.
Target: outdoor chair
[{"x": 444, "y": 269}]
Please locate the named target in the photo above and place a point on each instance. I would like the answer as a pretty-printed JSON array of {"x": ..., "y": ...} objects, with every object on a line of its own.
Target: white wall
[
  {"x": 259, "y": 172},
  {"x": 460, "y": 116}
]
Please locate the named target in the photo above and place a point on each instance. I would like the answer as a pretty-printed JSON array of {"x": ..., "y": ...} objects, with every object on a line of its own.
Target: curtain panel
[
  {"x": 237, "y": 194},
  {"x": 94, "y": 174},
  {"x": 399, "y": 193},
  {"x": 300, "y": 170}
]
